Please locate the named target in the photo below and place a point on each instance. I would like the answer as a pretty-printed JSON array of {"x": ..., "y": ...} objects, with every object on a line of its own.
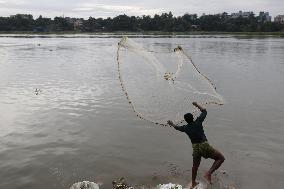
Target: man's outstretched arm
[
  {"x": 203, "y": 114},
  {"x": 198, "y": 106},
  {"x": 179, "y": 128}
]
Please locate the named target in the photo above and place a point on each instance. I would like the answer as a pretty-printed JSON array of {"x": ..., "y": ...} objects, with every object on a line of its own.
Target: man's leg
[
  {"x": 219, "y": 159},
  {"x": 196, "y": 163}
]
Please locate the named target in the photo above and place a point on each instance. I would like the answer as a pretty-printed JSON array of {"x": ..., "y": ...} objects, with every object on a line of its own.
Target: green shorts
[{"x": 202, "y": 150}]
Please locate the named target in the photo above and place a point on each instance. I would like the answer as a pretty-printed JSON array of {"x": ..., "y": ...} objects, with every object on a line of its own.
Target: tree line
[{"x": 165, "y": 22}]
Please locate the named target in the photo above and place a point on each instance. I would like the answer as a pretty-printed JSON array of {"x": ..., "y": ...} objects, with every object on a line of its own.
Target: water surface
[{"x": 80, "y": 127}]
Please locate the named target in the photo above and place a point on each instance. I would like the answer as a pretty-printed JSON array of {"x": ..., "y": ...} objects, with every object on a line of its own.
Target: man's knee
[
  {"x": 219, "y": 156},
  {"x": 222, "y": 159}
]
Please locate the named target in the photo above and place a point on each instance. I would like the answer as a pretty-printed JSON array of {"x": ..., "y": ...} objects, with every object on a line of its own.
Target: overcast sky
[{"x": 111, "y": 8}]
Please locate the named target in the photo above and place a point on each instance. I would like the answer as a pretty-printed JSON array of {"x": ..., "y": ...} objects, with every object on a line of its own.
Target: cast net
[{"x": 162, "y": 86}]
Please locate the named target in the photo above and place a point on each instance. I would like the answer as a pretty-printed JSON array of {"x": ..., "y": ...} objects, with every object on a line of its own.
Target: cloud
[
  {"x": 83, "y": 9},
  {"x": 117, "y": 9},
  {"x": 111, "y": 8},
  {"x": 13, "y": 2}
]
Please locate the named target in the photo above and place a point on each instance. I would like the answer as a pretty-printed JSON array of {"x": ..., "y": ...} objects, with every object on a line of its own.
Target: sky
[{"x": 111, "y": 8}]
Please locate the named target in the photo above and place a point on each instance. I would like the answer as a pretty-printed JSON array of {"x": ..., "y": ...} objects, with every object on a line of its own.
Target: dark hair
[{"x": 188, "y": 117}]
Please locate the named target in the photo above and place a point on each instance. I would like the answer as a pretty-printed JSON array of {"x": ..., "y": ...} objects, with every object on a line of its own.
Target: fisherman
[{"x": 200, "y": 145}]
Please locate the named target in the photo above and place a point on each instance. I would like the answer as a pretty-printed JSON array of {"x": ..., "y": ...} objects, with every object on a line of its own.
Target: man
[{"x": 200, "y": 145}]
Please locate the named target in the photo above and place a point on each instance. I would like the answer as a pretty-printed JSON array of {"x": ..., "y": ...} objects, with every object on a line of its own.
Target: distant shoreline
[{"x": 280, "y": 34}]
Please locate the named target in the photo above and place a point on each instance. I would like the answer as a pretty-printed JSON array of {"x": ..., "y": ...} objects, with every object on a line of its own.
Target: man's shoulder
[{"x": 188, "y": 126}]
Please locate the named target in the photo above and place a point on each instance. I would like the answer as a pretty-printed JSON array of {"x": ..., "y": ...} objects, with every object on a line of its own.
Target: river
[{"x": 64, "y": 118}]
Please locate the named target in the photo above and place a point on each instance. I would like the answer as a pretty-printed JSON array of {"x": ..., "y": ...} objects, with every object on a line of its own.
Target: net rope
[{"x": 162, "y": 86}]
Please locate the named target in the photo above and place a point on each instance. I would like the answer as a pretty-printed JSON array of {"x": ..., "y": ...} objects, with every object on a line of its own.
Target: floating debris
[
  {"x": 37, "y": 91},
  {"x": 120, "y": 183}
]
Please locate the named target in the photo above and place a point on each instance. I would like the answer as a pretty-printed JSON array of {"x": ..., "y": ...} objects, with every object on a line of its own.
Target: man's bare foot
[
  {"x": 207, "y": 176},
  {"x": 193, "y": 185}
]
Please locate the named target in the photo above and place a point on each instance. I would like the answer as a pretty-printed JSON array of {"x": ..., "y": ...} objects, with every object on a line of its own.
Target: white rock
[
  {"x": 85, "y": 185},
  {"x": 169, "y": 186}
]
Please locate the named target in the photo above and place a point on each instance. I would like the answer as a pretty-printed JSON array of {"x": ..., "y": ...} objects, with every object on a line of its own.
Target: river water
[{"x": 64, "y": 118}]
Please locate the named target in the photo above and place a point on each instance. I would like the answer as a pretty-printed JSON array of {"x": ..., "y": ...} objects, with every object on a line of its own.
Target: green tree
[{"x": 62, "y": 24}]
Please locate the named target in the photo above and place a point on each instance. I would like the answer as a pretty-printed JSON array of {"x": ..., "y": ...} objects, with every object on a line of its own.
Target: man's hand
[
  {"x": 198, "y": 106},
  {"x": 171, "y": 123}
]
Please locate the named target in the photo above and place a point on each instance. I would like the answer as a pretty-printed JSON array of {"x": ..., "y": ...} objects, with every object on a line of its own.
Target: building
[
  {"x": 242, "y": 14},
  {"x": 279, "y": 19},
  {"x": 78, "y": 23},
  {"x": 264, "y": 17}
]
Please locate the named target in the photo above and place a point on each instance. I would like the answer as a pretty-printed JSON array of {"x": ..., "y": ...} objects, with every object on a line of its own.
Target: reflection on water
[{"x": 79, "y": 126}]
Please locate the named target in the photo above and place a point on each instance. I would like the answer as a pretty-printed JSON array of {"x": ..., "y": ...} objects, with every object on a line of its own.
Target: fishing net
[{"x": 162, "y": 86}]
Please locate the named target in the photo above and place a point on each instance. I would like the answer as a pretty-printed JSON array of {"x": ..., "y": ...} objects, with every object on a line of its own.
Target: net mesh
[{"x": 162, "y": 86}]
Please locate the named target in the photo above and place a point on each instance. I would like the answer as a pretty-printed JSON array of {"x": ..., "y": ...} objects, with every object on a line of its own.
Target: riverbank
[{"x": 159, "y": 33}]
